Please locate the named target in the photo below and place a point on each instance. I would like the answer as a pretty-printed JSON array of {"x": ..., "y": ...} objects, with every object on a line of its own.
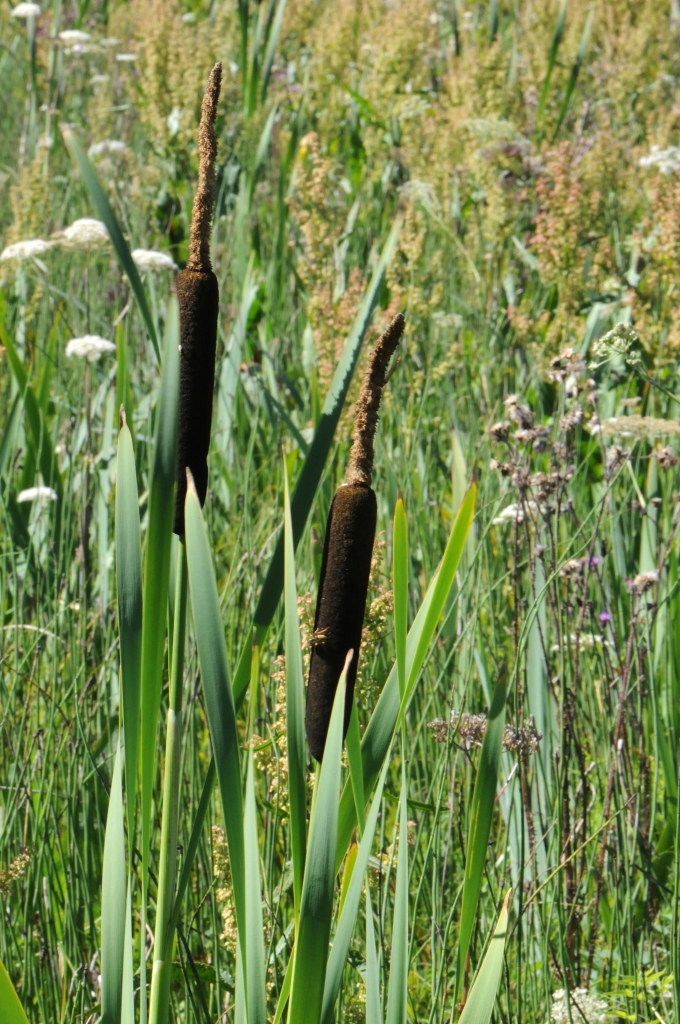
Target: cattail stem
[{"x": 346, "y": 565}]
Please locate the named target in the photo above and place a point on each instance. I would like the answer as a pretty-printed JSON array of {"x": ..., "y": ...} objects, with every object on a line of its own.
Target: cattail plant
[
  {"x": 197, "y": 294},
  {"x": 346, "y": 564}
]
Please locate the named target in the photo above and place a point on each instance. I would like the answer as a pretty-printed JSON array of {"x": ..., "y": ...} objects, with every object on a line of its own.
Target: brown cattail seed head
[
  {"x": 198, "y": 299},
  {"x": 346, "y": 565},
  {"x": 340, "y": 608}
]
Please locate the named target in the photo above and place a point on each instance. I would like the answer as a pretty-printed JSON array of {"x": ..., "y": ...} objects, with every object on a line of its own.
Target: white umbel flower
[
  {"x": 106, "y": 146},
  {"x": 89, "y": 347},
  {"x": 149, "y": 259},
  {"x": 85, "y": 233},
  {"x": 26, "y": 11},
  {"x": 667, "y": 160},
  {"x": 71, "y": 36},
  {"x": 126, "y": 58},
  {"x": 514, "y": 513},
  {"x": 584, "y": 1007},
  {"x": 37, "y": 494},
  {"x": 25, "y": 250}
]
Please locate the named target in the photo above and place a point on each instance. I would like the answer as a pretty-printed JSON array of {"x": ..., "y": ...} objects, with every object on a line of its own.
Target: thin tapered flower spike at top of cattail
[
  {"x": 368, "y": 404},
  {"x": 201, "y": 216}
]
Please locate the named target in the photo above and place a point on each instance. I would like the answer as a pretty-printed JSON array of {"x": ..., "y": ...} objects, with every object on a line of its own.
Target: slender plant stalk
[{"x": 164, "y": 935}]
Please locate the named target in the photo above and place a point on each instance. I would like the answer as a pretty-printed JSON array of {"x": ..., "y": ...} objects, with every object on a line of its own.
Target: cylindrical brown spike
[
  {"x": 340, "y": 608},
  {"x": 198, "y": 298}
]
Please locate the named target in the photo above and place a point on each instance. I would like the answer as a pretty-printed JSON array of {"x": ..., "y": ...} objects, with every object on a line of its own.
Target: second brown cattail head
[
  {"x": 198, "y": 300},
  {"x": 346, "y": 565}
]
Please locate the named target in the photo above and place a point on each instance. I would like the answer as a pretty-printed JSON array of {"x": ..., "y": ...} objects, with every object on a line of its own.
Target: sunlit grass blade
[
  {"x": 315, "y": 461},
  {"x": 313, "y": 933},
  {"x": 271, "y": 47},
  {"x": 295, "y": 711},
  {"x": 356, "y": 770},
  {"x": 114, "y": 902},
  {"x": 345, "y": 929},
  {"x": 127, "y": 1014},
  {"x": 481, "y": 817},
  {"x": 400, "y": 585},
  {"x": 285, "y": 991},
  {"x": 381, "y": 727},
  {"x": 157, "y": 564},
  {"x": 219, "y": 702},
  {"x": 129, "y": 603},
  {"x": 105, "y": 212},
  {"x": 573, "y": 77},
  {"x": 257, "y": 995},
  {"x": 373, "y": 1007},
  {"x": 552, "y": 57},
  {"x": 12, "y": 1010},
  {"x": 480, "y": 1002},
  {"x": 398, "y": 987}
]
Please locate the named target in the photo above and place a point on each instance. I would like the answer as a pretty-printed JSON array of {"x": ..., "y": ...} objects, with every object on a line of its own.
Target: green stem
[{"x": 164, "y": 935}]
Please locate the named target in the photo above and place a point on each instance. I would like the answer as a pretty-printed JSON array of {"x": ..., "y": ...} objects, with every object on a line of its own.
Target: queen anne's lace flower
[
  {"x": 26, "y": 11},
  {"x": 85, "y": 233},
  {"x": 584, "y": 1007},
  {"x": 25, "y": 250},
  {"x": 126, "y": 58},
  {"x": 149, "y": 259},
  {"x": 37, "y": 494},
  {"x": 89, "y": 347},
  {"x": 106, "y": 146},
  {"x": 70, "y": 36}
]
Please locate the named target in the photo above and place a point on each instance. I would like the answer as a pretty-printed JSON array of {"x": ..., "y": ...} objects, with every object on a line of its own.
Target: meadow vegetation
[{"x": 525, "y": 157}]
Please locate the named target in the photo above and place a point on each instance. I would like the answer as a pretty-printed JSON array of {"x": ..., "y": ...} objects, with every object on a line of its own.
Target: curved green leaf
[
  {"x": 12, "y": 1010},
  {"x": 114, "y": 902},
  {"x": 480, "y": 1002}
]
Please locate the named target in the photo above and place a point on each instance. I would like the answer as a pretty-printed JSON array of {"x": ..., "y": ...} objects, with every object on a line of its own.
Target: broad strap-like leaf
[
  {"x": 316, "y": 910},
  {"x": 12, "y": 1010},
  {"x": 114, "y": 902},
  {"x": 295, "y": 712},
  {"x": 219, "y": 702},
  {"x": 257, "y": 993},
  {"x": 157, "y": 566},
  {"x": 480, "y": 1002},
  {"x": 398, "y": 987},
  {"x": 129, "y": 580}
]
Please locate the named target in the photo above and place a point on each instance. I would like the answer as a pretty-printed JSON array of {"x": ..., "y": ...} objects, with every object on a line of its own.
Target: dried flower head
[
  {"x": 89, "y": 347},
  {"x": 16, "y": 870},
  {"x": 644, "y": 581},
  {"x": 520, "y": 414},
  {"x": 500, "y": 431},
  {"x": 613, "y": 460},
  {"x": 523, "y": 740},
  {"x": 666, "y": 457}
]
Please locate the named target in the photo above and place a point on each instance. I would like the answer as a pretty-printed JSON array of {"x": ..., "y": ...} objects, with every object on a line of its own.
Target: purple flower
[{"x": 604, "y": 617}]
